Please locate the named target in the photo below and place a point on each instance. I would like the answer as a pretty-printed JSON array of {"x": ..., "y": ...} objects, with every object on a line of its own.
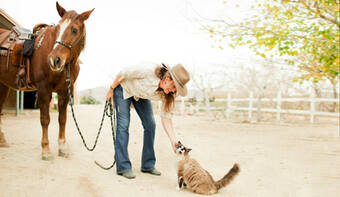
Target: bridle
[
  {"x": 70, "y": 46},
  {"x": 67, "y": 65}
]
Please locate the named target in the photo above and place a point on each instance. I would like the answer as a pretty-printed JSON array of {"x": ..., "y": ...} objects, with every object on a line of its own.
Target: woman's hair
[{"x": 161, "y": 72}]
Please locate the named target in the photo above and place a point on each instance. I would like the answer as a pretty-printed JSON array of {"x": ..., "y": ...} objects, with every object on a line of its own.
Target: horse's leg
[
  {"x": 44, "y": 103},
  {"x": 62, "y": 107},
  {"x": 4, "y": 90}
]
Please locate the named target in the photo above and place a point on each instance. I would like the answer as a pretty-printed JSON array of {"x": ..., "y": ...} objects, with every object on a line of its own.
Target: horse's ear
[
  {"x": 85, "y": 15},
  {"x": 61, "y": 10}
]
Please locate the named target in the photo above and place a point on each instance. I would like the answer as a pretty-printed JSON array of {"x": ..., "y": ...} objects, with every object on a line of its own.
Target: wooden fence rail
[{"x": 228, "y": 106}]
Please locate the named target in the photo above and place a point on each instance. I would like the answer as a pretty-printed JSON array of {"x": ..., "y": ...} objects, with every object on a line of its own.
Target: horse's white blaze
[{"x": 63, "y": 26}]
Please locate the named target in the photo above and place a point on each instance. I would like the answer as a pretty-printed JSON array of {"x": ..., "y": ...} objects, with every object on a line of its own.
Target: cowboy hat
[{"x": 180, "y": 76}]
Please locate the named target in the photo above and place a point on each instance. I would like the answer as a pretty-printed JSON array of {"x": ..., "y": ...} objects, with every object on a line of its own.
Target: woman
[{"x": 139, "y": 85}]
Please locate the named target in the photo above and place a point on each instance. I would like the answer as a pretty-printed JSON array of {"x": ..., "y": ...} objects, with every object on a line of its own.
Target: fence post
[
  {"x": 207, "y": 103},
  {"x": 312, "y": 106},
  {"x": 196, "y": 108},
  {"x": 278, "y": 106},
  {"x": 228, "y": 110},
  {"x": 17, "y": 103},
  {"x": 250, "y": 106},
  {"x": 22, "y": 101},
  {"x": 259, "y": 112}
]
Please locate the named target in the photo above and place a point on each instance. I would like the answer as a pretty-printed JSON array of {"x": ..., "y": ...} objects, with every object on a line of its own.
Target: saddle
[{"x": 18, "y": 46}]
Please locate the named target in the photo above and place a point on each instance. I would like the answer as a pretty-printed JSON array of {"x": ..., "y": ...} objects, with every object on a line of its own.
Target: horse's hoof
[
  {"x": 3, "y": 145},
  {"x": 47, "y": 157},
  {"x": 3, "y": 142},
  {"x": 63, "y": 153}
]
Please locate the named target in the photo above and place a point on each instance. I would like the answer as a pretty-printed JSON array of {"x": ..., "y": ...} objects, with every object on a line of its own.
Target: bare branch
[{"x": 318, "y": 13}]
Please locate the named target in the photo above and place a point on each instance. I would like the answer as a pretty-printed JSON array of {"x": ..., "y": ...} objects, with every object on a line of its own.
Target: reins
[
  {"x": 108, "y": 111},
  {"x": 108, "y": 108}
]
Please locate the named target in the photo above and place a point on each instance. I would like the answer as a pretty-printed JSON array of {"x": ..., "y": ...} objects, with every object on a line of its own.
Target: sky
[{"x": 122, "y": 33}]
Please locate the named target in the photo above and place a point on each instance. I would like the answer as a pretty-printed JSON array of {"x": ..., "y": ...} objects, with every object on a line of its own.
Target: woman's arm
[
  {"x": 167, "y": 126},
  {"x": 109, "y": 94}
]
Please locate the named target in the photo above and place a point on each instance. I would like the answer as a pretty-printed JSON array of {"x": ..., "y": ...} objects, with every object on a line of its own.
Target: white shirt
[{"x": 141, "y": 82}]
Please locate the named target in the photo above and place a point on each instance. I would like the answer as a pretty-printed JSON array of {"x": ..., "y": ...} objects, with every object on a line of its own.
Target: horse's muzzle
[{"x": 56, "y": 63}]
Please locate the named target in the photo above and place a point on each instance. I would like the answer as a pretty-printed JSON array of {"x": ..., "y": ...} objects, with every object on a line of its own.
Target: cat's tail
[{"x": 228, "y": 177}]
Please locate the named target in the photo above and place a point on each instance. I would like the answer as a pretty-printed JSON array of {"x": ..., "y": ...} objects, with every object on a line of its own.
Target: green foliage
[
  {"x": 89, "y": 100},
  {"x": 303, "y": 32}
]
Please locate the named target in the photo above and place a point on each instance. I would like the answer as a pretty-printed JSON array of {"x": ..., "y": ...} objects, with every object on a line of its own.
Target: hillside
[{"x": 98, "y": 93}]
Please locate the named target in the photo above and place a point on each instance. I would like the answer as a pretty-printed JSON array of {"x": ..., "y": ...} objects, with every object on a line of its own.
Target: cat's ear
[{"x": 189, "y": 149}]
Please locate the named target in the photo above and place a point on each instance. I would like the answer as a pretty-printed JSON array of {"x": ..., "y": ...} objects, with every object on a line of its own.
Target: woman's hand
[
  {"x": 174, "y": 145},
  {"x": 109, "y": 94}
]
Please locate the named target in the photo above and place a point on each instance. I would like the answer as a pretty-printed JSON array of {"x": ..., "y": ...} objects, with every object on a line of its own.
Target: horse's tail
[{"x": 228, "y": 177}]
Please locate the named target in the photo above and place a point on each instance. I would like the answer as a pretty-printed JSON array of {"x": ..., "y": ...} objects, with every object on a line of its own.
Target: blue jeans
[{"x": 144, "y": 110}]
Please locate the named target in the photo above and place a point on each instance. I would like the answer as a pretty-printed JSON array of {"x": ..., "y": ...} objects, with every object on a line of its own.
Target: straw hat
[{"x": 180, "y": 76}]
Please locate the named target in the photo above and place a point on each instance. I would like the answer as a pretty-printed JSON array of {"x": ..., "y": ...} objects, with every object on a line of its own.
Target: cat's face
[{"x": 181, "y": 150}]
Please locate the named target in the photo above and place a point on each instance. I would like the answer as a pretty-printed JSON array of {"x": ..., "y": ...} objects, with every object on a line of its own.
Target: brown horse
[{"x": 56, "y": 47}]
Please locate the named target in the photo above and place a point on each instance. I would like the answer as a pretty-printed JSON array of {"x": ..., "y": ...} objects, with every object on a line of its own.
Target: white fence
[{"x": 228, "y": 106}]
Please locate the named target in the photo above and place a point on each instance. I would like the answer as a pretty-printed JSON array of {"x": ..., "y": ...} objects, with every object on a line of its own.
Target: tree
[{"x": 304, "y": 33}]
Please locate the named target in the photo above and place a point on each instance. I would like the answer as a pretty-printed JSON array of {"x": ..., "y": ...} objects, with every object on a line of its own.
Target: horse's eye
[{"x": 74, "y": 30}]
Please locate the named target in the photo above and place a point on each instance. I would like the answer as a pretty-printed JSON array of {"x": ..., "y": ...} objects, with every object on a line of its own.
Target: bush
[{"x": 89, "y": 100}]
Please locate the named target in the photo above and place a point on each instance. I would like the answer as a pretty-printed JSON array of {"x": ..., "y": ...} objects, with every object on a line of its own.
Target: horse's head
[{"x": 70, "y": 38}]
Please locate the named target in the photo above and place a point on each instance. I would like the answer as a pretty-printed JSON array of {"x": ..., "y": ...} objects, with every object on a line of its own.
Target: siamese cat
[{"x": 194, "y": 177}]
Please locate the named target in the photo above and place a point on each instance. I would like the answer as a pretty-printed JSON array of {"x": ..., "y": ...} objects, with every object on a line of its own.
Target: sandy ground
[{"x": 287, "y": 160}]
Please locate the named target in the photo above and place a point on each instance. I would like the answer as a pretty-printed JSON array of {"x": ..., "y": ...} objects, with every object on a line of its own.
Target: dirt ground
[{"x": 276, "y": 159}]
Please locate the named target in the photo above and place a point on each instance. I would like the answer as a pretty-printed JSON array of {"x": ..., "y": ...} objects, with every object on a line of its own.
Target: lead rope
[
  {"x": 111, "y": 113},
  {"x": 112, "y": 116}
]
